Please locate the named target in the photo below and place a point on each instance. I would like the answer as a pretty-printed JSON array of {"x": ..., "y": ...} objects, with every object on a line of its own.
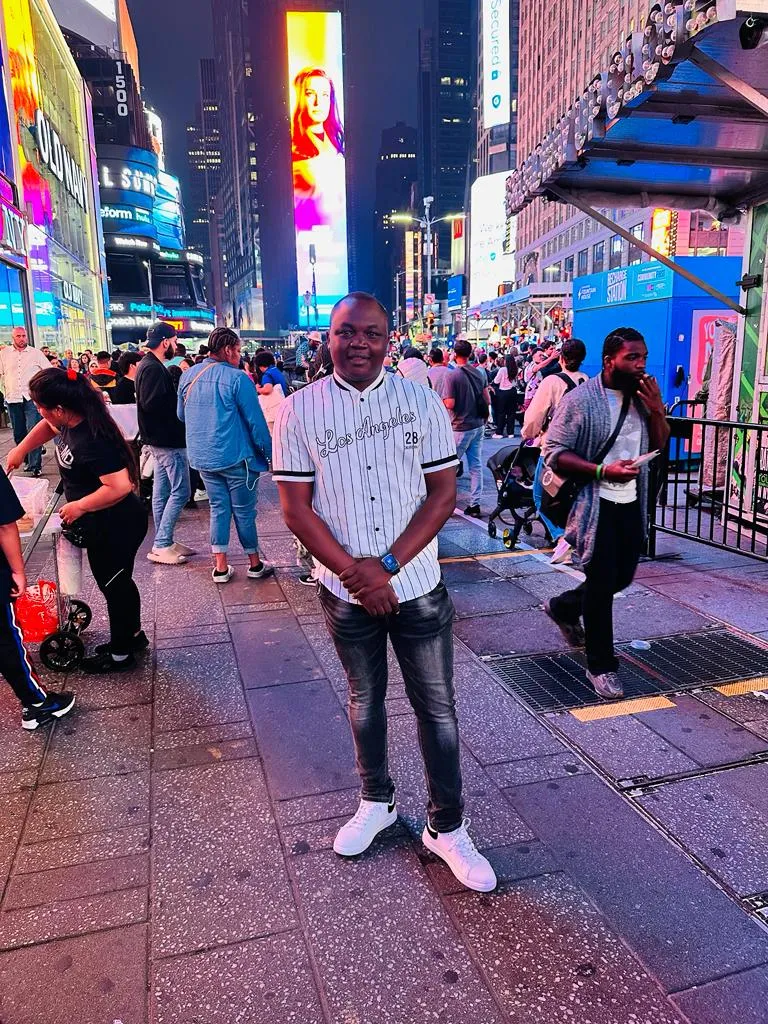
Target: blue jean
[
  {"x": 556, "y": 532},
  {"x": 422, "y": 638},
  {"x": 470, "y": 443},
  {"x": 170, "y": 492},
  {"x": 232, "y": 493},
  {"x": 24, "y": 416}
]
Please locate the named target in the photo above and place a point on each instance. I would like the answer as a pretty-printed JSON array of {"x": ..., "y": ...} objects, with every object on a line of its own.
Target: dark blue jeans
[
  {"x": 24, "y": 416},
  {"x": 422, "y": 638}
]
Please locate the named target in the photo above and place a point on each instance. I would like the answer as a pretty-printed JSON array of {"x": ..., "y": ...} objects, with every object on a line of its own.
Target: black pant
[
  {"x": 15, "y": 665},
  {"x": 506, "y": 407},
  {"x": 422, "y": 638},
  {"x": 618, "y": 546},
  {"x": 111, "y": 555}
]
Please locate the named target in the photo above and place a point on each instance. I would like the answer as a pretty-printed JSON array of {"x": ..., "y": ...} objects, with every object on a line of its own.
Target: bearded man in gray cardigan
[{"x": 608, "y": 521}]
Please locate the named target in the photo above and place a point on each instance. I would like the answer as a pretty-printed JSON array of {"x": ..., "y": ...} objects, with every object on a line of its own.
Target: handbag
[
  {"x": 559, "y": 493},
  {"x": 482, "y": 409}
]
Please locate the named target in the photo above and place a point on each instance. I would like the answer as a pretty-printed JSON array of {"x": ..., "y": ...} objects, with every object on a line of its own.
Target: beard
[
  {"x": 623, "y": 381},
  {"x": 170, "y": 351}
]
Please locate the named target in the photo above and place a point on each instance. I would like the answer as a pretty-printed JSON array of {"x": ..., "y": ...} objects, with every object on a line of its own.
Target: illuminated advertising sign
[
  {"x": 94, "y": 20},
  {"x": 316, "y": 91},
  {"x": 166, "y": 214},
  {"x": 490, "y": 264},
  {"x": 155, "y": 125},
  {"x": 411, "y": 269},
  {"x": 458, "y": 247},
  {"x": 661, "y": 228},
  {"x": 128, "y": 185},
  {"x": 496, "y": 65},
  {"x": 455, "y": 291}
]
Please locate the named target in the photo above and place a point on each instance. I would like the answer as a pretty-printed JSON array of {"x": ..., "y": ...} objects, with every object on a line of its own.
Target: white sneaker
[
  {"x": 200, "y": 496},
  {"x": 562, "y": 552},
  {"x": 222, "y": 577},
  {"x": 462, "y": 857},
  {"x": 359, "y": 832},
  {"x": 166, "y": 556}
]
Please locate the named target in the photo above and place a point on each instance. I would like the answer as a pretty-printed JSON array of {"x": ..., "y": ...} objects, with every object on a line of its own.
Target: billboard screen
[
  {"x": 489, "y": 264},
  {"x": 496, "y": 63},
  {"x": 167, "y": 213},
  {"x": 128, "y": 183},
  {"x": 94, "y": 20},
  {"x": 316, "y": 91}
]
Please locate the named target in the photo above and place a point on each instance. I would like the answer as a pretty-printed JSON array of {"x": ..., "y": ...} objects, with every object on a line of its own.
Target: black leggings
[
  {"x": 111, "y": 556},
  {"x": 506, "y": 407}
]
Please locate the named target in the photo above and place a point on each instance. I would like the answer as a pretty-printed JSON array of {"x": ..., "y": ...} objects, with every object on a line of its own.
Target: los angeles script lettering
[{"x": 331, "y": 443}]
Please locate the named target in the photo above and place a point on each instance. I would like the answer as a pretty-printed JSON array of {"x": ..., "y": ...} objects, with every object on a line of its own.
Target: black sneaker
[
  {"x": 473, "y": 511},
  {"x": 307, "y": 579},
  {"x": 138, "y": 643},
  {"x": 572, "y": 631},
  {"x": 55, "y": 705},
  {"x": 460, "y": 469},
  {"x": 103, "y": 664}
]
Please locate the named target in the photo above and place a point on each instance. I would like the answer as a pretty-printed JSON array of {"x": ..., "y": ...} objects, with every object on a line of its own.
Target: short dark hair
[
  {"x": 221, "y": 338},
  {"x": 573, "y": 353},
  {"x": 360, "y": 297},
  {"x": 463, "y": 349},
  {"x": 413, "y": 353},
  {"x": 482, "y": 356},
  {"x": 126, "y": 361},
  {"x": 263, "y": 358},
  {"x": 181, "y": 348},
  {"x": 436, "y": 355},
  {"x": 616, "y": 340},
  {"x": 103, "y": 357}
]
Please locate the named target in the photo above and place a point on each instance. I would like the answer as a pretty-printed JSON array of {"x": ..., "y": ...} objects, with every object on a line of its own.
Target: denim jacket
[{"x": 225, "y": 425}]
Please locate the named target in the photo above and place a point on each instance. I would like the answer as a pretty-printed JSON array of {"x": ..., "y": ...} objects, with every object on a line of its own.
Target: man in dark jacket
[
  {"x": 104, "y": 377},
  {"x": 161, "y": 429}
]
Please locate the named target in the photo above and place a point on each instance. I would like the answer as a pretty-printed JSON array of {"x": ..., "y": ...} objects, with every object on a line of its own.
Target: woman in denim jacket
[{"x": 229, "y": 443}]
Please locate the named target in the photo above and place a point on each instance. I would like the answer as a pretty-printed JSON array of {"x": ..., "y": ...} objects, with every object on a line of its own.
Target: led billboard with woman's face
[{"x": 315, "y": 74}]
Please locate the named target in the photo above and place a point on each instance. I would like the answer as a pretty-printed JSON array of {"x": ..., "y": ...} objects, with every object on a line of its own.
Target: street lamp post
[
  {"x": 426, "y": 223},
  {"x": 148, "y": 265}
]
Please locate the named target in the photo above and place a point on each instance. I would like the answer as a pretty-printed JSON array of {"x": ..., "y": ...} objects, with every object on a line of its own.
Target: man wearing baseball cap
[{"x": 161, "y": 429}]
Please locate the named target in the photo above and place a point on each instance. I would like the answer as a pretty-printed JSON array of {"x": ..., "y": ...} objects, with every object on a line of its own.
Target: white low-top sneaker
[
  {"x": 462, "y": 857},
  {"x": 359, "y": 832}
]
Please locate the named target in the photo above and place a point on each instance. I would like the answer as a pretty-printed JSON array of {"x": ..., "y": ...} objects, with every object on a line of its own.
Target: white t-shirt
[{"x": 626, "y": 446}]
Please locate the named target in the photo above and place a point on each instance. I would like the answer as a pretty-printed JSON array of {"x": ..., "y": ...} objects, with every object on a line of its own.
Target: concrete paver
[{"x": 165, "y": 854}]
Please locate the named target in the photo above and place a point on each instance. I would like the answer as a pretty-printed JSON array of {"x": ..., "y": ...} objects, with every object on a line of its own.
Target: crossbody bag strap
[
  {"x": 197, "y": 378},
  {"x": 616, "y": 430},
  {"x": 471, "y": 379}
]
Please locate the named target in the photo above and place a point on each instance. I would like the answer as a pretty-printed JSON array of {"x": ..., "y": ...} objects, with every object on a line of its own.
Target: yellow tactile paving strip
[
  {"x": 743, "y": 686},
  {"x": 622, "y": 708}
]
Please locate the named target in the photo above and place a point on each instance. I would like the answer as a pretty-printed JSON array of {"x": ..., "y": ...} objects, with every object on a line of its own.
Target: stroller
[{"x": 513, "y": 469}]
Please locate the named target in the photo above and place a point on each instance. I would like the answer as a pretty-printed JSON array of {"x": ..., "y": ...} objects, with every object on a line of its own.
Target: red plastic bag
[{"x": 36, "y": 611}]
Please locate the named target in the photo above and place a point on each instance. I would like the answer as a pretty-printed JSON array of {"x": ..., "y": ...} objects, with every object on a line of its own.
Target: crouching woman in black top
[{"x": 102, "y": 512}]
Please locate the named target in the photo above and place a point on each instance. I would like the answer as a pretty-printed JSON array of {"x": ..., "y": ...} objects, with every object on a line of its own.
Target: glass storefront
[
  {"x": 57, "y": 188},
  {"x": 12, "y": 307}
]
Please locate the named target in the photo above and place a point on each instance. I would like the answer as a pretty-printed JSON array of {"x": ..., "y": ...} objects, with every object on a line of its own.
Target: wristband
[{"x": 599, "y": 472}]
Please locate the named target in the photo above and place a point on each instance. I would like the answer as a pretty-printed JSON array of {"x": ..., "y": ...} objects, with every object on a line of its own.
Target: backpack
[{"x": 482, "y": 409}]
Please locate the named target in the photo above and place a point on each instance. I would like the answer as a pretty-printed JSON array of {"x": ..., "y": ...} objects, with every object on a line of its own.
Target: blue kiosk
[{"x": 677, "y": 319}]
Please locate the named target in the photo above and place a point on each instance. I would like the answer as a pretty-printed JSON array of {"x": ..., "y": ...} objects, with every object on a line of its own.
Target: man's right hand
[
  {"x": 380, "y": 602},
  {"x": 620, "y": 472},
  {"x": 13, "y": 460}
]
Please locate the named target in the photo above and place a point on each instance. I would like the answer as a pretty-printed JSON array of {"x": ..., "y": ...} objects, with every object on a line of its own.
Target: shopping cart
[{"x": 62, "y": 650}]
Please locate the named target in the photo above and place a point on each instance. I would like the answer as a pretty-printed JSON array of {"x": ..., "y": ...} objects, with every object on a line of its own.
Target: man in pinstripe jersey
[{"x": 365, "y": 463}]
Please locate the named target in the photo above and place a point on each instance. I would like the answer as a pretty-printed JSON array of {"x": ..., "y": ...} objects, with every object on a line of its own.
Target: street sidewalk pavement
[{"x": 165, "y": 853}]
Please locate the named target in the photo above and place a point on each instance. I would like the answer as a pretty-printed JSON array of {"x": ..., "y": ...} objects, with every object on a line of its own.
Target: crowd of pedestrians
[{"x": 365, "y": 452}]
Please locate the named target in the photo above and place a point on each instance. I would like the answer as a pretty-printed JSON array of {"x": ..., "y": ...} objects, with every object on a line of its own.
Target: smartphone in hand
[{"x": 641, "y": 460}]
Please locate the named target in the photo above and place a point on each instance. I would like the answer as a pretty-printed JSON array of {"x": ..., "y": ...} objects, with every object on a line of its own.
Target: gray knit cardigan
[{"x": 582, "y": 424}]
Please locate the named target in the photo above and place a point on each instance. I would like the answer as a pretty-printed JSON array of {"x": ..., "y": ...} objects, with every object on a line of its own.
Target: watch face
[{"x": 390, "y": 563}]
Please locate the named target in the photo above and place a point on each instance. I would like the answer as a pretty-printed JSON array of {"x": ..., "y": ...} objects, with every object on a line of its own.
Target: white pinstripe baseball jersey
[{"x": 367, "y": 453}]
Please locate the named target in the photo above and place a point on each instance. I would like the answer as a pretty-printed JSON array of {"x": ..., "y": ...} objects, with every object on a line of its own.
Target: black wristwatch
[{"x": 391, "y": 564}]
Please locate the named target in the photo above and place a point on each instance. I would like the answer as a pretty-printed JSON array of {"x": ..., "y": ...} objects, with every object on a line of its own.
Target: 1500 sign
[{"x": 645, "y": 57}]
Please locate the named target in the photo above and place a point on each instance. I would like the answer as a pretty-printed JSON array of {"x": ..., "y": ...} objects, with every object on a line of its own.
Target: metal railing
[{"x": 711, "y": 484}]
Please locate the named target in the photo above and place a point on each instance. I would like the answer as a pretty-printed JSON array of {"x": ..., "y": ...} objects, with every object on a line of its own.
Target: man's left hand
[
  {"x": 71, "y": 512},
  {"x": 365, "y": 575},
  {"x": 649, "y": 393}
]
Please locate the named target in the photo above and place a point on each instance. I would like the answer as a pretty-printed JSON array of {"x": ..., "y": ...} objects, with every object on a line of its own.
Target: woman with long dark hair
[
  {"x": 506, "y": 398},
  {"x": 102, "y": 512},
  {"x": 317, "y": 150}
]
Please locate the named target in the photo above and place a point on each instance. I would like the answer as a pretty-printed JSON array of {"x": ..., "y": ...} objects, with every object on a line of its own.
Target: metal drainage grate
[
  {"x": 700, "y": 659},
  {"x": 557, "y": 682}
]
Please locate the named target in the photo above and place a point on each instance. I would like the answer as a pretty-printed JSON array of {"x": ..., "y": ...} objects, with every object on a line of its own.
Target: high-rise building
[
  {"x": 204, "y": 159},
  {"x": 396, "y": 174},
  {"x": 556, "y": 242},
  {"x": 255, "y": 71},
  {"x": 498, "y": 52},
  {"x": 446, "y": 87}
]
